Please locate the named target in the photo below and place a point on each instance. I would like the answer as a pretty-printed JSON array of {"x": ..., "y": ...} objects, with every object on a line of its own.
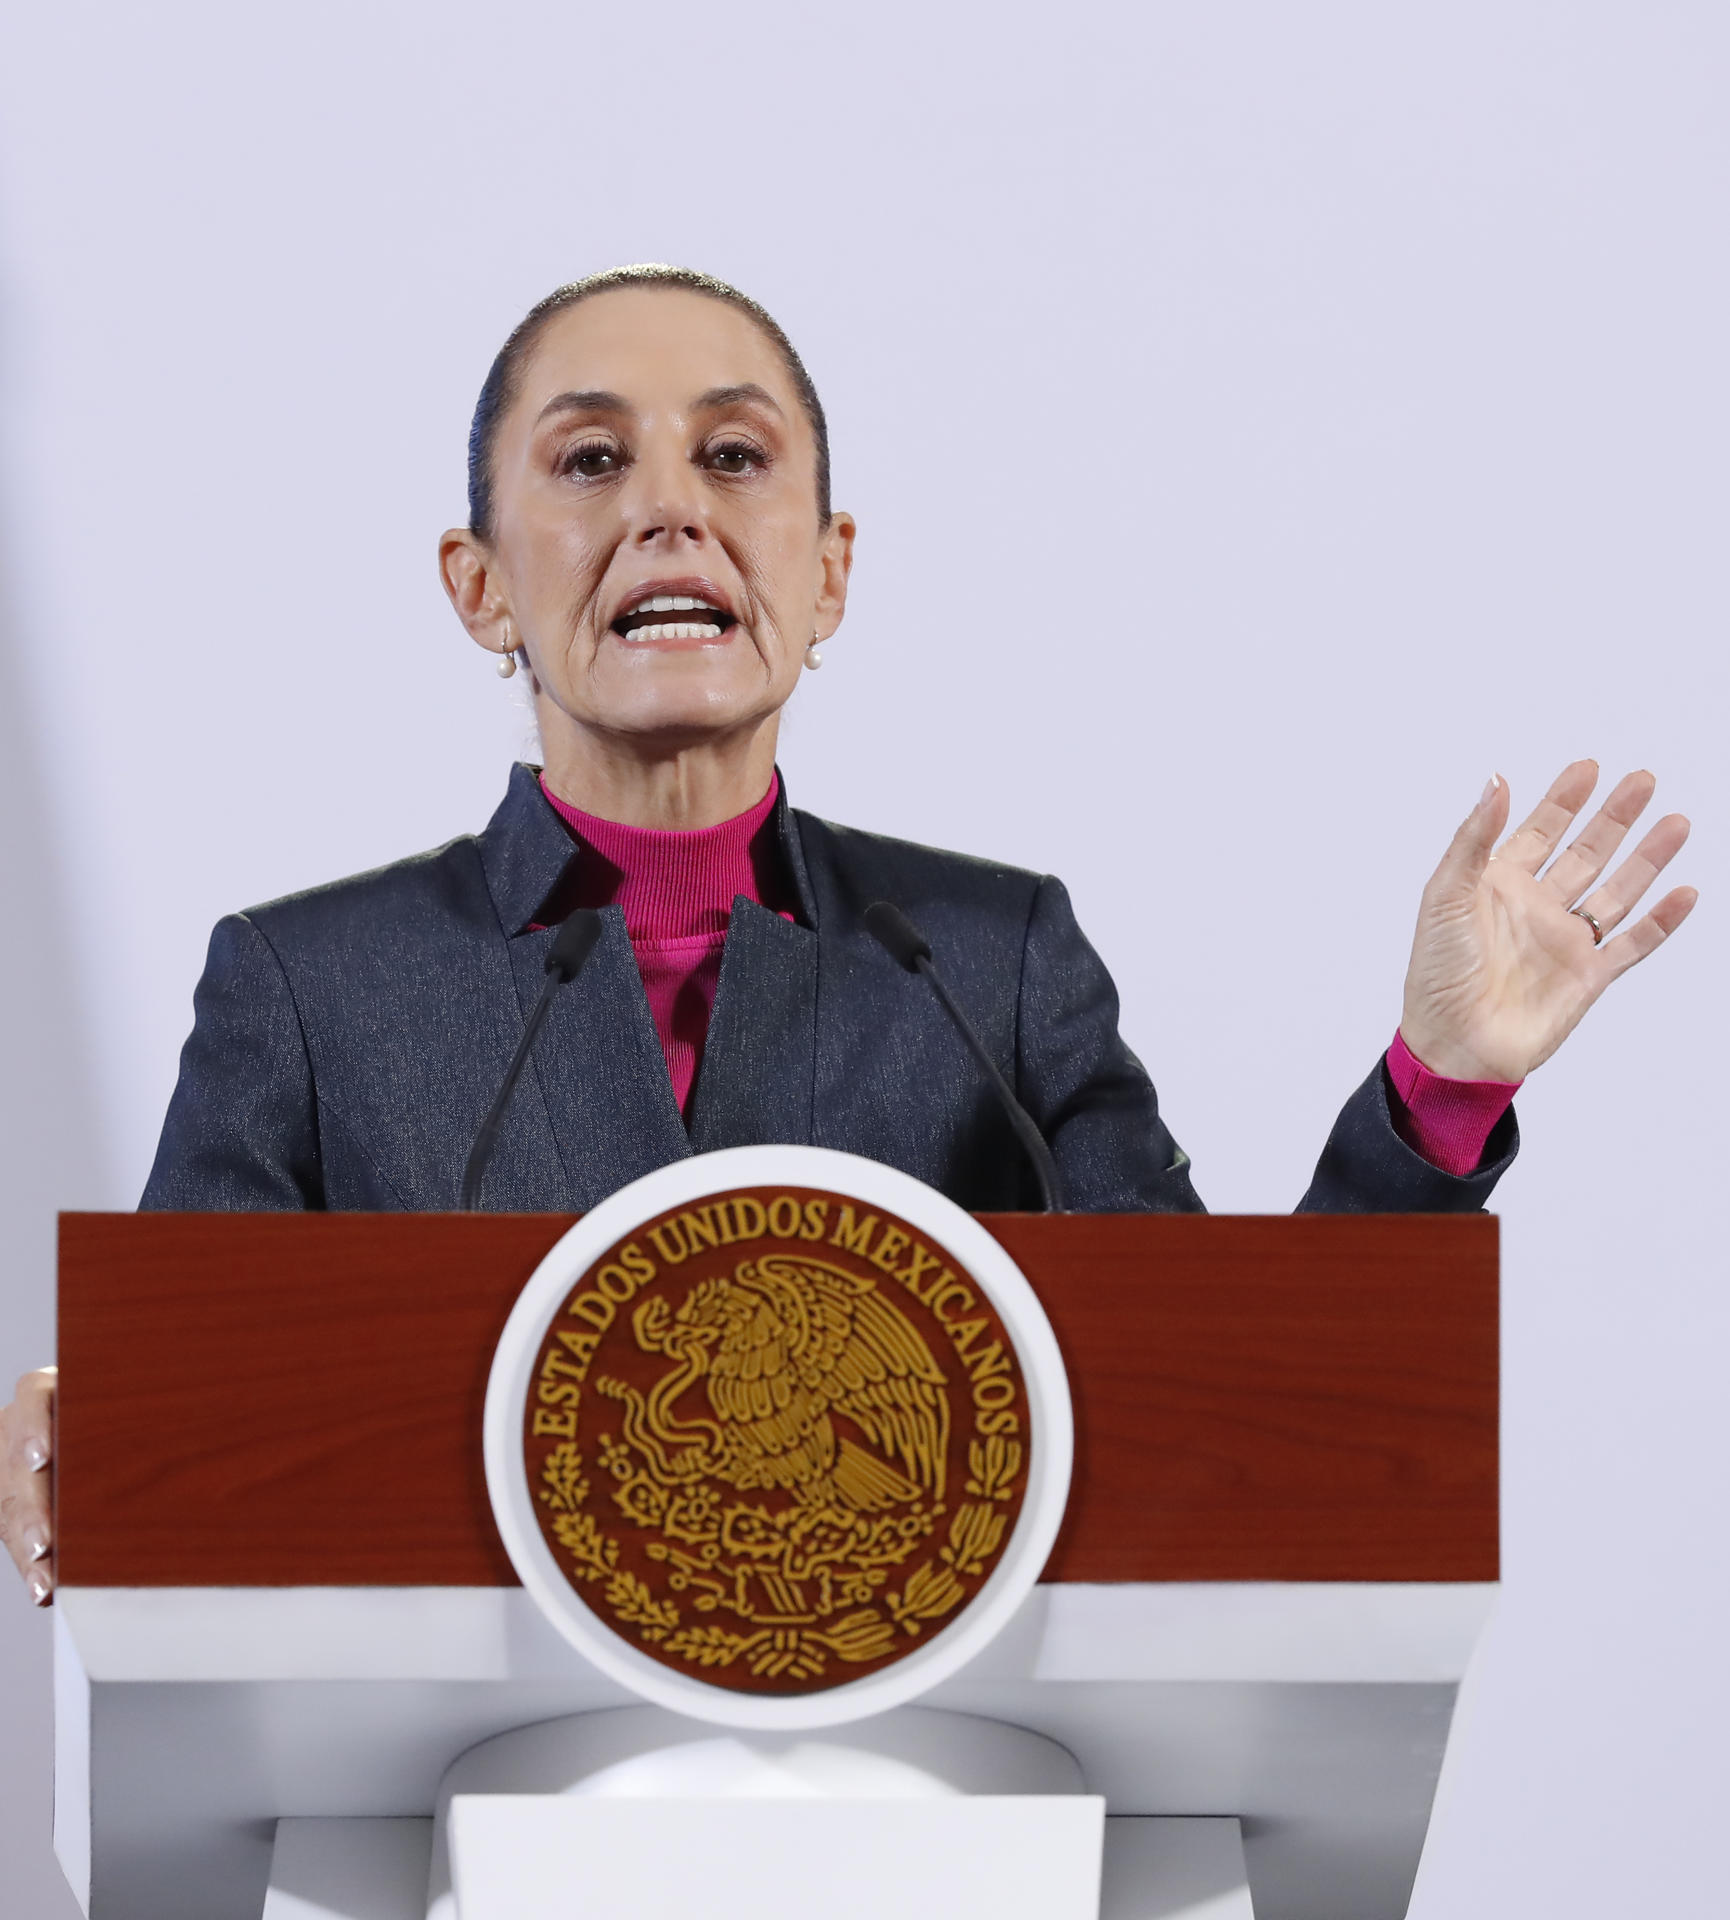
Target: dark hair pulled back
[{"x": 499, "y": 389}]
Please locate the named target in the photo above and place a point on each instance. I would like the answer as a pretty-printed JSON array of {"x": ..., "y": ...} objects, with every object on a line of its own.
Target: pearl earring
[
  {"x": 814, "y": 652},
  {"x": 508, "y": 658}
]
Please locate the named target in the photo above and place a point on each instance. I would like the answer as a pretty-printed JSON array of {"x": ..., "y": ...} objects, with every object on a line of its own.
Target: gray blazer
[{"x": 347, "y": 1041}]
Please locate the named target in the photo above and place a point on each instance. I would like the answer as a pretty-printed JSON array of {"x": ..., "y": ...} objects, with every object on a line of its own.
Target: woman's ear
[
  {"x": 835, "y": 563},
  {"x": 469, "y": 577}
]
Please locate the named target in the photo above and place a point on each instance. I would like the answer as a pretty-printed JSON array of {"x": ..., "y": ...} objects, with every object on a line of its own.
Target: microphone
[
  {"x": 907, "y": 946},
  {"x": 572, "y": 945}
]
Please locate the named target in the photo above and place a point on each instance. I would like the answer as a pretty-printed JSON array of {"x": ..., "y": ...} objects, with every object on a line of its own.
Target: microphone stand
[
  {"x": 572, "y": 945},
  {"x": 903, "y": 942}
]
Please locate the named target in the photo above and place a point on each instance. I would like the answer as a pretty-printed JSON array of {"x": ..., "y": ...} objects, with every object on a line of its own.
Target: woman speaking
[{"x": 651, "y": 540}]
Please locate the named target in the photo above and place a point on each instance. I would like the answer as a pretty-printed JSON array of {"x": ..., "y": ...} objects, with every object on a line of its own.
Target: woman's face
[{"x": 655, "y": 449}]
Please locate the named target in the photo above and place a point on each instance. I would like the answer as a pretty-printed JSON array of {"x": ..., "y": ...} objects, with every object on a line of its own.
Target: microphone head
[
  {"x": 896, "y": 934},
  {"x": 573, "y": 943}
]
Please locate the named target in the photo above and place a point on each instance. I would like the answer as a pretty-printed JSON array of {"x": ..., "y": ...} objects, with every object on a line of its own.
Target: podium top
[{"x": 295, "y": 1399}]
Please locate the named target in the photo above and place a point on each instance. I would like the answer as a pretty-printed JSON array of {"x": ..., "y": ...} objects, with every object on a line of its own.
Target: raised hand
[{"x": 1504, "y": 960}]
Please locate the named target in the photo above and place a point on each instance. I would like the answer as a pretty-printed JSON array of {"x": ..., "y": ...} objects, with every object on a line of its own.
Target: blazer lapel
[
  {"x": 758, "y": 1077},
  {"x": 604, "y": 1094},
  {"x": 595, "y": 1109},
  {"x": 526, "y": 1174}
]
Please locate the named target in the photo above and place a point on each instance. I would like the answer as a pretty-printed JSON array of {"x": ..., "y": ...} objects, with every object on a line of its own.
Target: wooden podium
[{"x": 283, "y": 1599}]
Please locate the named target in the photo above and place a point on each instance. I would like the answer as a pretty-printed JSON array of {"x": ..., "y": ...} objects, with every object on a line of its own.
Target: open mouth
[{"x": 673, "y": 616}]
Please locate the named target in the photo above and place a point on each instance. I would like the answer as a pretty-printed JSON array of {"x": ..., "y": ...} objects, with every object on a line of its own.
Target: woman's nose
[{"x": 663, "y": 500}]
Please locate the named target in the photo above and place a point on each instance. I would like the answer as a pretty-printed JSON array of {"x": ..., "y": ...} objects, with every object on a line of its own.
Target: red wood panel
[
  {"x": 1312, "y": 1398},
  {"x": 295, "y": 1399}
]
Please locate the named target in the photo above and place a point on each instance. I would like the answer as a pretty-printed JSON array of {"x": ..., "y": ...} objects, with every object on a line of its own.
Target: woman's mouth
[{"x": 672, "y": 616}]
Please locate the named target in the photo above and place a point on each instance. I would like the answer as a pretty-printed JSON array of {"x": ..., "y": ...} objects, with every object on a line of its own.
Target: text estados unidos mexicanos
[{"x": 740, "y": 1219}]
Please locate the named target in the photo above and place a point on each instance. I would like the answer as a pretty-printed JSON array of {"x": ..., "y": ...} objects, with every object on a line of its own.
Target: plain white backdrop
[{"x": 1263, "y": 423}]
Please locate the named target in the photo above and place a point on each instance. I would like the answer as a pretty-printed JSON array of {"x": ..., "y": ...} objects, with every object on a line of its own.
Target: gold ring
[{"x": 1597, "y": 931}]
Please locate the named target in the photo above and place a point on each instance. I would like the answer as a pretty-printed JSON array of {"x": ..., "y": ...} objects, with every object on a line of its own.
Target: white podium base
[
  {"x": 360, "y": 1869},
  {"x": 545, "y": 1857},
  {"x": 641, "y": 1811},
  {"x": 190, "y": 1719}
]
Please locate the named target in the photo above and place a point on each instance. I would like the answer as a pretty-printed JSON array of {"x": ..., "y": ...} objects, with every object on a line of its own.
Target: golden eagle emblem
[
  {"x": 779, "y": 1347},
  {"x": 748, "y": 1458}
]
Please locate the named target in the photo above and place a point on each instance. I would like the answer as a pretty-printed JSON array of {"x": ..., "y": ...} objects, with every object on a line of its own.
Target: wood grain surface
[{"x": 295, "y": 1399}]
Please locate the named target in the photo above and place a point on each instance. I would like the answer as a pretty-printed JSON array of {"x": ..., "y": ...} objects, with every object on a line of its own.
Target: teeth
[
  {"x": 670, "y": 603},
  {"x": 675, "y": 630}
]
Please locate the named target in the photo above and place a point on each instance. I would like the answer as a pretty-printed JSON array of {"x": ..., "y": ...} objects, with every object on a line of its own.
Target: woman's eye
[
  {"x": 593, "y": 459},
  {"x": 734, "y": 456}
]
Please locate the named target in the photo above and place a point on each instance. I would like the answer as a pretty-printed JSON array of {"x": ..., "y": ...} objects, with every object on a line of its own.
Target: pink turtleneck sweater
[{"x": 677, "y": 891}]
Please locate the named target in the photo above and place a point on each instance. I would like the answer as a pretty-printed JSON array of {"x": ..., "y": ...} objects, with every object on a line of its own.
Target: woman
[{"x": 651, "y": 539}]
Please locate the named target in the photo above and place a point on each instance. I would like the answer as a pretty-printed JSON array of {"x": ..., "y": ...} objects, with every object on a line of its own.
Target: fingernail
[
  {"x": 36, "y": 1539},
  {"x": 40, "y": 1588},
  {"x": 35, "y": 1455},
  {"x": 1489, "y": 792}
]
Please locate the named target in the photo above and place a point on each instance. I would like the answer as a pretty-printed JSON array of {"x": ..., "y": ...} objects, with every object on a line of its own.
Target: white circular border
[{"x": 957, "y": 1232}]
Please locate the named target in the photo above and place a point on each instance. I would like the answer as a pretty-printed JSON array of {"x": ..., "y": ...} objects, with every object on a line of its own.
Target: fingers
[
  {"x": 1468, "y": 853},
  {"x": 1573, "y": 871},
  {"x": 1540, "y": 833},
  {"x": 27, "y": 1481},
  {"x": 1650, "y": 932},
  {"x": 1618, "y": 896}
]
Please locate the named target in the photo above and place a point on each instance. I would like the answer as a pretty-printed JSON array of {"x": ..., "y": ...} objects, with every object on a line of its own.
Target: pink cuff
[{"x": 1447, "y": 1121}]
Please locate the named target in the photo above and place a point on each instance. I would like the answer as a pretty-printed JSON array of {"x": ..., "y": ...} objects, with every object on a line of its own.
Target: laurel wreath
[{"x": 933, "y": 1589}]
